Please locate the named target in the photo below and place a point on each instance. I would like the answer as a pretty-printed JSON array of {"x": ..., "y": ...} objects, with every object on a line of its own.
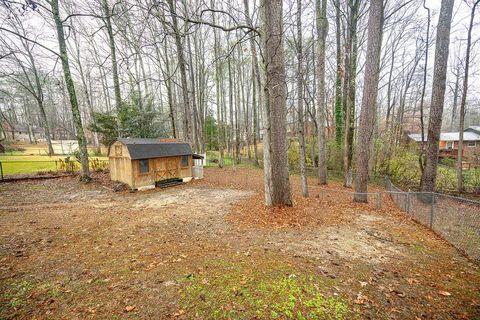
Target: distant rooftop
[{"x": 469, "y": 135}]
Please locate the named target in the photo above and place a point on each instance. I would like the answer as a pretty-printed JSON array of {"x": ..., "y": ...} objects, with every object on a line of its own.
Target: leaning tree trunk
[
  {"x": 322, "y": 29},
  {"x": 41, "y": 106},
  {"x": 276, "y": 94},
  {"x": 429, "y": 175},
  {"x": 464, "y": 100},
  {"x": 369, "y": 99},
  {"x": 77, "y": 120}
]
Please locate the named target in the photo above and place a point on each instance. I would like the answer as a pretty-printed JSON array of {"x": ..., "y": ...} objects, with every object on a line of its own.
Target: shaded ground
[{"x": 209, "y": 249}]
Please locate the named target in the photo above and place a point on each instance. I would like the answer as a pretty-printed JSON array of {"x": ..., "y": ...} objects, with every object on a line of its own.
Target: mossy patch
[{"x": 246, "y": 290}]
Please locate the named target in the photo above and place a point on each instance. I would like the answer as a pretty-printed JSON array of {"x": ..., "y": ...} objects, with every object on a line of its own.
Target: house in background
[
  {"x": 448, "y": 144},
  {"x": 145, "y": 163},
  {"x": 23, "y": 132}
]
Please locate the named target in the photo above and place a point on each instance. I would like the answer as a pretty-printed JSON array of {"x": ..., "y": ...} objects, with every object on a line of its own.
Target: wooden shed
[{"x": 144, "y": 163}]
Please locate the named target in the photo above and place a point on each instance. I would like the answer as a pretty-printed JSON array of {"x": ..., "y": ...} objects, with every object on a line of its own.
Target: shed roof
[{"x": 154, "y": 148}]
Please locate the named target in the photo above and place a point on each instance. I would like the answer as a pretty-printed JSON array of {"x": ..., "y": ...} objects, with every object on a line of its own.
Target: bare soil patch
[{"x": 209, "y": 249}]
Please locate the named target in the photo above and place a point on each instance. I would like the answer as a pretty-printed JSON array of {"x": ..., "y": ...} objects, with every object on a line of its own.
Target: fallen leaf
[
  {"x": 129, "y": 308},
  {"x": 361, "y": 299},
  {"x": 412, "y": 281},
  {"x": 179, "y": 312},
  {"x": 363, "y": 283},
  {"x": 444, "y": 293}
]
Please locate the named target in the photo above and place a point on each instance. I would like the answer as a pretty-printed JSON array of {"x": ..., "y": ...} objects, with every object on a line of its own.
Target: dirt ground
[{"x": 210, "y": 249}]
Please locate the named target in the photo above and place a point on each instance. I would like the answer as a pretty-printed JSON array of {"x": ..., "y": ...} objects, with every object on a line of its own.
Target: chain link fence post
[
  {"x": 432, "y": 209},
  {"x": 1, "y": 171},
  {"x": 408, "y": 202},
  {"x": 378, "y": 200}
]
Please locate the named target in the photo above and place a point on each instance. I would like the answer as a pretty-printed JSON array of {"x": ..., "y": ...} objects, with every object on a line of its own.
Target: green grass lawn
[{"x": 27, "y": 164}]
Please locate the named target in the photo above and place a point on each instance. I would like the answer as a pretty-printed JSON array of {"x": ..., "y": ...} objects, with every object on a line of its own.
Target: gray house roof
[
  {"x": 475, "y": 129},
  {"x": 449, "y": 136},
  {"x": 154, "y": 148}
]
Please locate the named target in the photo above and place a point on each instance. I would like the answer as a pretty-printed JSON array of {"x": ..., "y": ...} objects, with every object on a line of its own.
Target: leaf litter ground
[{"x": 211, "y": 249}]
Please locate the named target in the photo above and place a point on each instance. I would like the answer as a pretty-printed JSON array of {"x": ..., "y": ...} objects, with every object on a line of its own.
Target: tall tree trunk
[
  {"x": 350, "y": 90},
  {"x": 369, "y": 99},
  {"x": 39, "y": 98},
  {"x": 218, "y": 89},
  {"x": 301, "y": 113},
  {"x": 338, "y": 80},
  {"x": 421, "y": 157},
  {"x": 322, "y": 29},
  {"x": 464, "y": 100},
  {"x": 429, "y": 175},
  {"x": 256, "y": 83},
  {"x": 276, "y": 93},
  {"x": 183, "y": 73},
  {"x": 197, "y": 129},
  {"x": 113, "y": 58},
  {"x": 456, "y": 90},
  {"x": 82, "y": 142}
]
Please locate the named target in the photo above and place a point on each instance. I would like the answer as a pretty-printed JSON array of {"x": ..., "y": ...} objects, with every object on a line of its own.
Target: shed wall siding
[{"x": 125, "y": 170}]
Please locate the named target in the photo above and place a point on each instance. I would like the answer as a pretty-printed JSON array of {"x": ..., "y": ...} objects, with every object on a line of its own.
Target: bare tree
[
  {"x": 322, "y": 30},
  {"x": 429, "y": 174},
  {"x": 301, "y": 114},
  {"x": 369, "y": 99},
  {"x": 464, "y": 100},
  {"x": 275, "y": 93},
  {"x": 82, "y": 141}
]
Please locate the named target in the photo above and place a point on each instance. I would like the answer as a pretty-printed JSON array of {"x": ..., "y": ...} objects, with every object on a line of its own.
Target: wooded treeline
[{"x": 284, "y": 84}]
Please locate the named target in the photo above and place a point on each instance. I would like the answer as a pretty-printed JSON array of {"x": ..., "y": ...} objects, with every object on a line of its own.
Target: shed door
[{"x": 166, "y": 168}]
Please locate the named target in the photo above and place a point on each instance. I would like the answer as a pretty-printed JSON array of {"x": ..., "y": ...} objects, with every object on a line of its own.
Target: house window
[
  {"x": 118, "y": 151},
  {"x": 184, "y": 161},
  {"x": 471, "y": 143},
  {"x": 143, "y": 166},
  {"x": 449, "y": 145}
]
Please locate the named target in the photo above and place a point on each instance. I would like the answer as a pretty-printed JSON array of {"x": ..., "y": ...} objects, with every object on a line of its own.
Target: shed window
[
  {"x": 118, "y": 151},
  {"x": 143, "y": 166},
  {"x": 471, "y": 143},
  {"x": 449, "y": 145},
  {"x": 184, "y": 161}
]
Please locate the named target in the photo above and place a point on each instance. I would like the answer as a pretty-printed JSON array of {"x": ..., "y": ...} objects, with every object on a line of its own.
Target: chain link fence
[{"x": 455, "y": 219}]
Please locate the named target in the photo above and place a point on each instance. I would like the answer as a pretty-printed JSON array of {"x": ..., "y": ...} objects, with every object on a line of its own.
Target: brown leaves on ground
[{"x": 327, "y": 205}]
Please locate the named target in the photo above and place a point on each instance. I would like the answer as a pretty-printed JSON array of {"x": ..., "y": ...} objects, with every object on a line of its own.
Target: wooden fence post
[{"x": 1, "y": 170}]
